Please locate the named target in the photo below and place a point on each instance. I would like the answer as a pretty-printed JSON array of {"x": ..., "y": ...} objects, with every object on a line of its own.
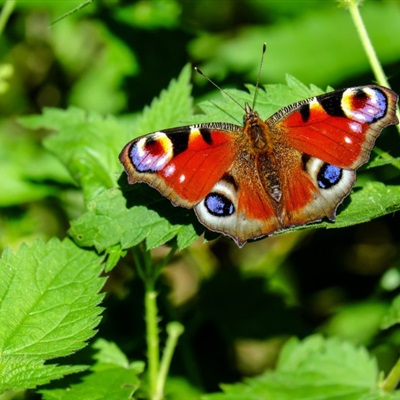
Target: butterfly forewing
[
  {"x": 182, "y": 163},
  {"x": 340, "y": 127}
]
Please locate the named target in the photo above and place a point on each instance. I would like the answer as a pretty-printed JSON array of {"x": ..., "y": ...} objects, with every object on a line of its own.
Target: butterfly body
[{"x": 253, "y": 180}]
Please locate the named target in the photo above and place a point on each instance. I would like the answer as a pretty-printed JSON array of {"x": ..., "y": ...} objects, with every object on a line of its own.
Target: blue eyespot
[
  {"x": 218, "y": 205},
  {"x": 328, "y": 176}
]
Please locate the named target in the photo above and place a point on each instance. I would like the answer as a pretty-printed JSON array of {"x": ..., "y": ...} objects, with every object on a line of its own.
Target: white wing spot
[
  {"x": 182, "y": 178},
  {"x": 355, "y": 127},
  {"x": 348, "y": 140},
  {"x": 170, "y": 170}
]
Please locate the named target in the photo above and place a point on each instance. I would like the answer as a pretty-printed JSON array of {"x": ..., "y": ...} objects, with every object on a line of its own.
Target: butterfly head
[{"x": 249, "y": 113}]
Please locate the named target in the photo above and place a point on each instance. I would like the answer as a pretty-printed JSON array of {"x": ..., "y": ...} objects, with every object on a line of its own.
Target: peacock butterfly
[{"x": 250, "y": 181}]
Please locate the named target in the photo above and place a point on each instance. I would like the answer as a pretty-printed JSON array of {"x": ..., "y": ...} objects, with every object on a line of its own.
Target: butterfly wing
[
  {"x": 183, "y": 163},
  {"x": 327, "y": 138},
  {"x": 338, "y": 127}
]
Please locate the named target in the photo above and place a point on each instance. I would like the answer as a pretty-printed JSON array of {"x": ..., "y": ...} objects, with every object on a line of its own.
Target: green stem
[
  {"x": 174, "y": 330},
  {"x": 76, "y": 9},
  {"x": 393, "y": 379},
  {"x": 153, "y": 344},
  {"x": 6, "y": 11},
  {"x": 149, "y": 273},
  {"x": 368, "y": 47}
]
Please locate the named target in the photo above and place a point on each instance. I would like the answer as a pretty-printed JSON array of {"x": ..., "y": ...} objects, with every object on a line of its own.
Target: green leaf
[
  {"x": 109, "y": 222},
  {"x": 392, "y": 317},
  {"x": 372, "y": 200},
  {"x": 314, "y": 369},
  {"x": 177, "y": 388},
  {"x": 20, "y": 183},
  {"x": 366, "y": 202},
  {"x": 48, "y": 298},
  {"x": 112, "y": 377},
  {"x": 87, "y": 144},
  {"x": 358, "y": 322},
  {"x": 98, "y": 76},
  {"x": 110, "y": 353},
  {"x": 151, "y": 15},
  {"x": 168, "y": 110}
]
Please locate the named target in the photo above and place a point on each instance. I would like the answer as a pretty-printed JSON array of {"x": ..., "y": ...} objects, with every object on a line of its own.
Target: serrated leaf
[
  {"x": 87, "y": 144},
  {"x": 109, "y": 222},
  {"x": 171, "y": 107},
  {"x": 27, "y": 372},
  {"x": 112, "y": 377},
  {"x": 314, "y": 369},
  {"x": 48, "y": 298}
]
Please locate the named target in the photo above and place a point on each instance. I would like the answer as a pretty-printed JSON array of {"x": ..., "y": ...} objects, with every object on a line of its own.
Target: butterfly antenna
[
  {"x": 259, "y": 74},
  {"x": 219, "y": 88}
]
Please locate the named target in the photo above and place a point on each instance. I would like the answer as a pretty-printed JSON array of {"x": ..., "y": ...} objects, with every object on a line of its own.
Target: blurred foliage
[{"x": 238, "y": 306}]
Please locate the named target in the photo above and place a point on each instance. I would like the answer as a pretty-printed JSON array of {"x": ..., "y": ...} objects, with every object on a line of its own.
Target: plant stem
[
  {"x": 76, "y": 9},
  {"x": 149, "y": 273},
  {"x": 368, "y": 47},
  {"x": 6, "y": 11},
  {"x": 174, "y": 330},
  {"x": 393, "y": 379},
  {"x": 153, "y": 344}
]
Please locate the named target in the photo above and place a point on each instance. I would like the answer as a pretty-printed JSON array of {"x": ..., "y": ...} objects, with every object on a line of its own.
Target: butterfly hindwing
[
  {"x": 316, "y": 192},
  {"x": 238, "y": 205}
]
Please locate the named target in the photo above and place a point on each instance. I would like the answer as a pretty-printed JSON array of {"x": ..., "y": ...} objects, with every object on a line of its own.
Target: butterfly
[{"x": 250, "y": 181}]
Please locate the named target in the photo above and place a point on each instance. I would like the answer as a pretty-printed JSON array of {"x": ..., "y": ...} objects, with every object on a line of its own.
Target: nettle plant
[{"x": 51, "y": 292}]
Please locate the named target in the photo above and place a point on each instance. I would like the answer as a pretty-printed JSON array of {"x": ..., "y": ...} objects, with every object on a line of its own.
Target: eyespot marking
[
  {"x": 364, "y": 105},
  {"x": 328, "y": 176},
  {"x": 151, "y": 153},
  {"x": 218, "y": 205}
]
